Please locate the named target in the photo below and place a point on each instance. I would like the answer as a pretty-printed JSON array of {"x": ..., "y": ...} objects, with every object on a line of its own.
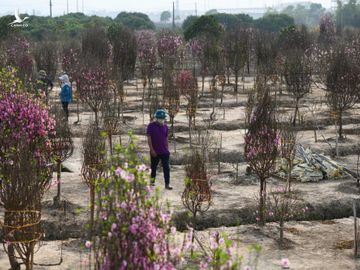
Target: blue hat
[{"x": 160, "y": 114}]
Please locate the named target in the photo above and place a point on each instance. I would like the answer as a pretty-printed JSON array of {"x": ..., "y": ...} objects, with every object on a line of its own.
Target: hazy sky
[{"x": 59, "y": 6}]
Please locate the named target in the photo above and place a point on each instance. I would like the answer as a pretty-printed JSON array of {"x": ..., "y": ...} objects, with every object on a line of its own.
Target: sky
[{"x": 41, "y": 7}]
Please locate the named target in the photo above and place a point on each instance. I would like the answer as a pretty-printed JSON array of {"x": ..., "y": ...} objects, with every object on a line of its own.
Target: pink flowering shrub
[
  {"x": 225, "y": 254},
  {"x": 261, "y": 146},
  {"x": 168, "y": 45},
  {"x": 185, "y": 82},
  {"x": 23, "y": 120},
  {"x": 282, "y": 205},
  {"x": 132, "y": 226},
  {"x": 95, "y": 90},
  {"x": 262, "y": 143},
  {"x": 25, "y": 171},
  {"x": 132, "y": 230},
  {"x": 18, "y": 56},
  {"x": 71, "y": 62},
  {"x": 146, "y": 46}
]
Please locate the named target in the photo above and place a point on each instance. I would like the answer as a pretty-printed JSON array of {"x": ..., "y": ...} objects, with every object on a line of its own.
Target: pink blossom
[
  {"x": 285, "y": 263},
  {"x": 113, "y": 227},
  {"x": 118, "y": 171},
  {"x": 88, "y": 244},
  {"x": 130, "y": 177}
]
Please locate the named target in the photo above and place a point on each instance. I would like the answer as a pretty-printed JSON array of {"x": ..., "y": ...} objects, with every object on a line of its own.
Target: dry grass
[
  {"x": 293, "y": 230},
  {"x": 344, "y": 244}
]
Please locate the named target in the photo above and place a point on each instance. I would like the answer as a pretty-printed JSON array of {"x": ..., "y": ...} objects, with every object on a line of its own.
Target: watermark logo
[{"x": 18, "y": 22}]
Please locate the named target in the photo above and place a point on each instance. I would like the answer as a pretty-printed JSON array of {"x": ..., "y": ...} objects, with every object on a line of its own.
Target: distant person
[
  {"x": 157, "y": 134},
  {"x": 45, "y": 84},
  {"x": 65, "y": 93}
]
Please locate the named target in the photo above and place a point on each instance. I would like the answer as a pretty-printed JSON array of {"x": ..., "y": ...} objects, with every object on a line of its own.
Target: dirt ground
[{"x": 313, "y": 244}]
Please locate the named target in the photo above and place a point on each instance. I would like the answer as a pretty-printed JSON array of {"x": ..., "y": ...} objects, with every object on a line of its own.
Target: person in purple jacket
[{"x": 157, "y": 134}]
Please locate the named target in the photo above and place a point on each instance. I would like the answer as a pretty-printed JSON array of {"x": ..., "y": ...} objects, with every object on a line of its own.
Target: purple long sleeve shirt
[{"x": 159, "y": 135}]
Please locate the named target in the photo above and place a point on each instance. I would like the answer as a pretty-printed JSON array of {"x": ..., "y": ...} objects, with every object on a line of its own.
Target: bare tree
[
  {"x": 266, "y": 50},
  {"x": 95, "y": 89},
  {"x": 46, "y": 57},
  {"x": 123, "y": 55},
  {"x": 94, "y": 164},
  {"x": 288, "y": 149},
  {"x": 342, "y": 84},
  {"x": 237, "y": 49},
  {"x": 95, "y": 47},
  {"x": 297, "y": 73},
  {"x": 63, "y": 146}
]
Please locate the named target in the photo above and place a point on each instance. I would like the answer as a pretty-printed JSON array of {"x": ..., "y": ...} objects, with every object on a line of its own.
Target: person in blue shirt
[{"x": 65, "y": 93}]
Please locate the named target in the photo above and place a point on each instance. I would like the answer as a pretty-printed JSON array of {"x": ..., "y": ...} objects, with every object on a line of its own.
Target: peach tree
[
  {"x": 25, "y": 171},
  {"x": 261, "y": 146}
]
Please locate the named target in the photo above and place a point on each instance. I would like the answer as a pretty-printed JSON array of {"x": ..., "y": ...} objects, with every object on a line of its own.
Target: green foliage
[
  {"x": 245, "y": 19},
  {"x": 307, "y": 16},
  {"x": 348, "y": 14},
  {"x": 54, "y": 28},
  {"x": 5, "y": 29},
  {"x": 274, "y": 22},
  {"x": 9, "y": 80},
  {"x": 188, "y": 22},
  {"x": 165, "y": 16},
  {"x": 205, "y": 26},
  {"x": 135, "y": 20},
  {"x": 227, "y": 20}
]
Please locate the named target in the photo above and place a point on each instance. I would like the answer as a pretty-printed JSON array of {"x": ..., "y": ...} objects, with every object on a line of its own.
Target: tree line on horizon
[{"x": 71, "y": 26}]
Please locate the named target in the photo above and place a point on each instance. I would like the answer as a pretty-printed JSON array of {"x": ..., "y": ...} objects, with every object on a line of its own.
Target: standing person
[
  {"x": 44, "y": 83},
  {"x": 65, "y": 93},
  {"x": 157, "y": 135}
]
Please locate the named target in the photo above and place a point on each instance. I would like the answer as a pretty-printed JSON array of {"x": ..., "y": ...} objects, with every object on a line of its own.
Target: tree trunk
[
  {"x": 12, "y": 259},
  {"x": 262, "y": 202},
  {"x": 57, "y": 198},
  {"x": 190, "y": 143},
  {"x": 228, "y": 75},
  {"x": 340, "y": 126},
  {"x": 202, "y": 85},
  {"x": 281, "y": 228},
  {"x": 110, "y": 142},
  {"x": 248, "y": 64},
  {"x": 213, "y": 105},
  {"x": 193, "y": 235},
  {"x": 92, "y": 208},
  {"x": 289, "y": 175},
  {"x": 96, "y": 118},
  {"x": 236, "y": 80},
  {"x": 296, "y": 111},
  {"x": 222, "y": 94}
]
